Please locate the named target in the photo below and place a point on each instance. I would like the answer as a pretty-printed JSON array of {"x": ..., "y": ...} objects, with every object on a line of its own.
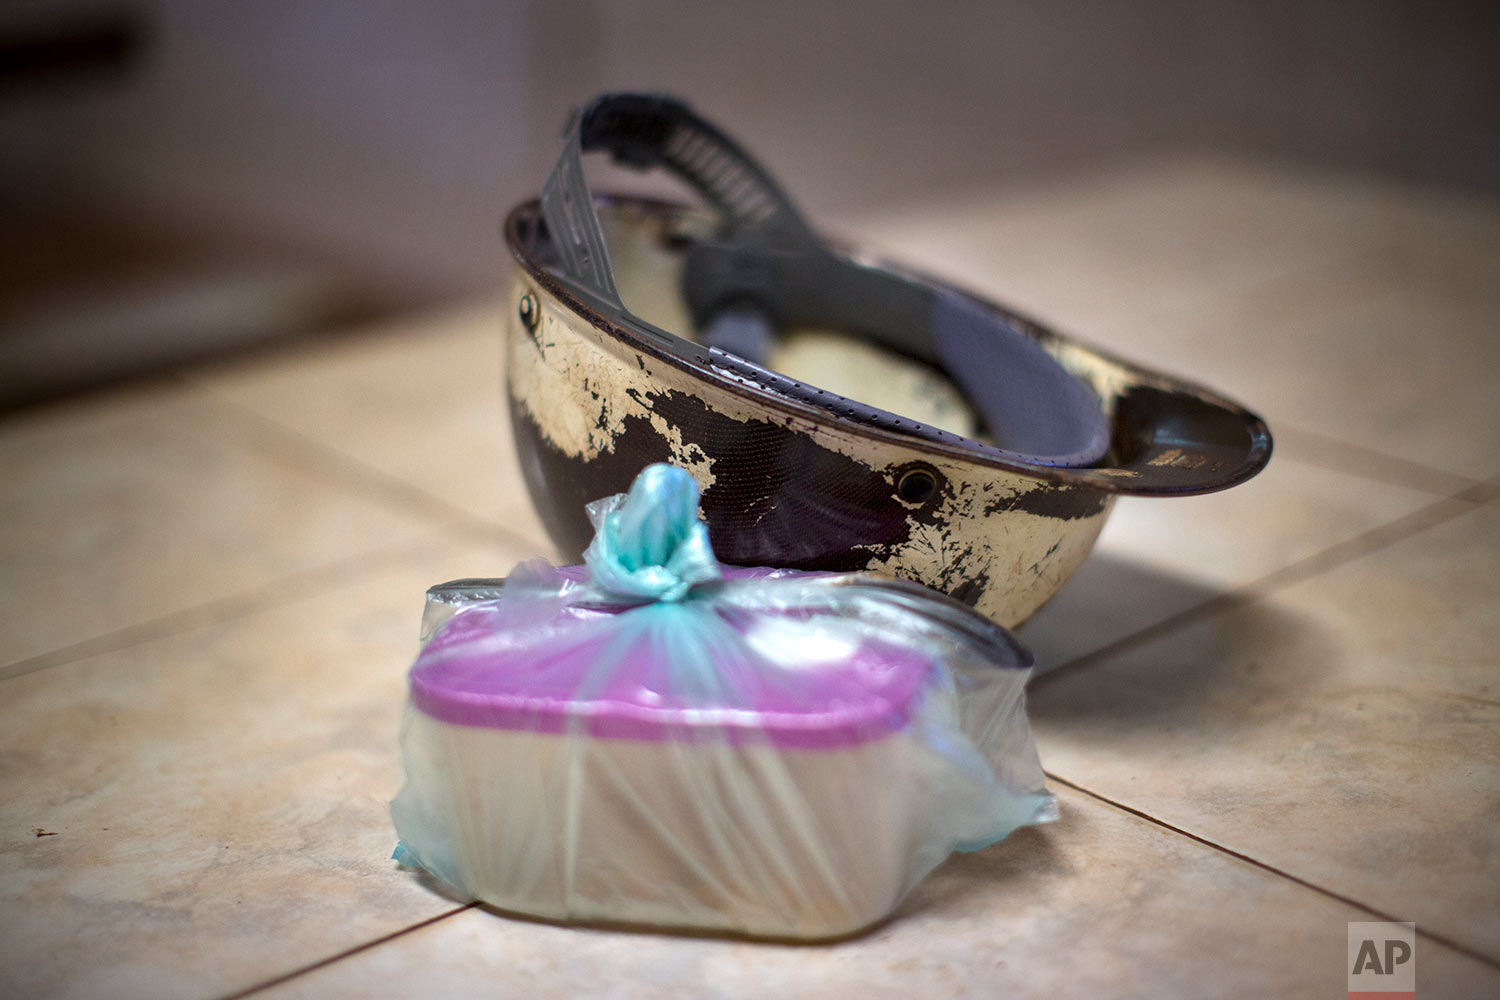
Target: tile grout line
[
  {"x": 1342, "y": 553},
  {"x": 1358, "y": 460},
  {"x": 300, "y": 449},
  {"x": 346, "y": 953},
  {"x": 1052, "y": 776},
  {"x": 275, "y": 593},
  {"x": 269, "y": 436},
  {"x": 1442, "y": 939},
  {"x": 1396, "y": 471}
]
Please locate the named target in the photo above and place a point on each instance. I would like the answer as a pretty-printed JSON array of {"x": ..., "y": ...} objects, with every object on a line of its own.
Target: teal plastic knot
[{"x": 649, "y": 543}]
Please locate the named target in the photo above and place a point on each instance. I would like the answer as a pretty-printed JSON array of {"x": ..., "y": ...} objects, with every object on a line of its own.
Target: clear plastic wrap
[{"x": 657, "y": 739}]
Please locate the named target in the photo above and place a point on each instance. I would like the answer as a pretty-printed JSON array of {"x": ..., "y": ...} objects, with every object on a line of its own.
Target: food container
[{"x": 763, "y": 752}]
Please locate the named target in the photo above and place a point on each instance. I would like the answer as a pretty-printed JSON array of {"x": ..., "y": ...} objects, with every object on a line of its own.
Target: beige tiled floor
[
  {"x": 1341, "y": 729},
  {"x": 1273, "y": 710},
  {"x": 1155, "y": 559},
  {"x": 214, "y": 801},
  {"x": 1102, "y": 903},
  {"x": 430, "y": 412},
  {"x": 125, "y": 510}
]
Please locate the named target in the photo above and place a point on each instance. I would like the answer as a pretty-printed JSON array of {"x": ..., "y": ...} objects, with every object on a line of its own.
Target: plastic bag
[{"x": 657, "y": 739}]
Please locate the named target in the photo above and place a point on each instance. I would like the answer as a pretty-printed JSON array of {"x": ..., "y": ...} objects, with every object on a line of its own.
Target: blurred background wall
[{"x": 183, "y": 175}]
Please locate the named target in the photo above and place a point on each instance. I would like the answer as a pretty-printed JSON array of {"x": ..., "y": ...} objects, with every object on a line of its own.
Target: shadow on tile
[
  {"x": 965, "y": 886},
  {"x": 1110, "y": 598},
  {"x": 432, "y": 884},
  {"x": 650, "y": 934},
  {"x": 1204, "y": 673}
]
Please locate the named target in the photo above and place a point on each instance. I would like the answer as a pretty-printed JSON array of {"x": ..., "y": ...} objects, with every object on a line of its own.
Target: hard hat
[{"x": 994, "y": 492}]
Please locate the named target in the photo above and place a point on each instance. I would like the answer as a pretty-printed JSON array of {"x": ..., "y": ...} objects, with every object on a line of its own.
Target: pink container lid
[{"x": 631, "y": 674}]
